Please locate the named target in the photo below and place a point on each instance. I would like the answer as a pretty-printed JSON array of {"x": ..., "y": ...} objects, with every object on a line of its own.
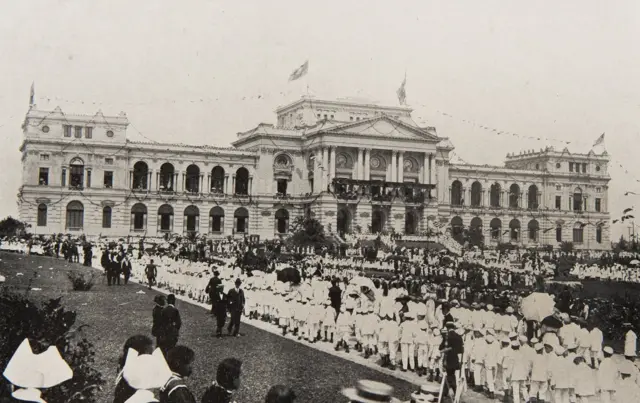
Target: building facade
[{"x": 354, "y": 166}]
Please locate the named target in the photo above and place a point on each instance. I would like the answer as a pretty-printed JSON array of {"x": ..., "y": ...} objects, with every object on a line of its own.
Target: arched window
[
  {"x": 42, "y": 215},
  {"x": 138, "y": 217},
  {"x": 192, "y": 184},
  {"x": 532, "y": 198},
  {"x": 456, "y": 226},
  {"x": 217, "y": 180},
  {"x": 242, "y": 181},
  {"x": 167, "y": 177},
  {"x": 534, "y": 228},
  {"x": 165, "y": 218},
  {"x": 216, "y": 217},
  {"x": 495, "y": 194},
  {"x": 282, "y": 221},
  {"x": 456, "y": 194},
  {"x": 476, "y": 223},
  {"x": 578, "y": 232},
  {"x": 577, "y": 199},
  {"x": 106, "y": 217},
  {"x": 140, "y": 176},
  {"x": 559, "y": 233},
  {"x": 76, "y": 173},
  {"x": 496, "y": 229},
  {"x": 75, "y": 215},
  {"x": 514, "y": 196},
  {"x": 514, "y": 230},
  {"x": 378, "y": 221},
  {"x": 241, "y": 220},
  {"x": 476, "y": 194},
  {"x": 191, "y": 219}
]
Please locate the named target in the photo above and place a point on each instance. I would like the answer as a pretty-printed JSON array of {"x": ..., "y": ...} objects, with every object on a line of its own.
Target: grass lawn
[{"x": 117, "y": 312}]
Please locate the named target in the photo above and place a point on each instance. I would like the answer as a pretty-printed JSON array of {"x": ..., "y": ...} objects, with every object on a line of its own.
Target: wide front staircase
[{"x": 434, "y": 242}]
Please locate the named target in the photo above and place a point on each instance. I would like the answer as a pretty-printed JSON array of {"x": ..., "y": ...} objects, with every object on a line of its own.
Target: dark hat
[{"x": 238, "y": 281}]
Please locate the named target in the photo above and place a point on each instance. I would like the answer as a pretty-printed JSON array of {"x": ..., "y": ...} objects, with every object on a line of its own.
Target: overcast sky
[{"x": 200, "y": 71}]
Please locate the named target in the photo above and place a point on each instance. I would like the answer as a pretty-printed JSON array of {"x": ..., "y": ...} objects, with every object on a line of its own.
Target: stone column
[
  {"x": 157, "y": 180},
  {"x": 200, "y": 188},
  {"x": 174, "y": 184},
  {"x": 208, "y": 189},
  {"x": 400, "y": 166},
  {"x": 226, "y": 184},
  {"x": 394, "y": 166},
  {"x": 360, "y": 165},
  {"x": 325, "y": 168},
  {"x": 332, "y": 164},
  {"x": 130, "y": 179},
  {"x": 149, "y": 180},
  {"x": 367, "y": 167},
  {"x": 233, "y": 184},
  {"x": 317, "y": 172},
  {"x": 250, "y": 189},
  {"x": 431, "y": 169}
]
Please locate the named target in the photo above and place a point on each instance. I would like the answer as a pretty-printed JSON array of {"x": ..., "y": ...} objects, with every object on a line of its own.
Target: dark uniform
[
  {"x": 454, "y": 343},
  {"x": 176, "y": 391},
  {"x": 235, "y": 299},
  {"x": 218, "y": 303},
  {"x": 169, "y": 331},
  {"x": 151, "y": 273}
]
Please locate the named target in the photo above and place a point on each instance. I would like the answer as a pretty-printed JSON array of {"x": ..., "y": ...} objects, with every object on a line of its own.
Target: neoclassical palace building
[{"x": 354, "y": 166}]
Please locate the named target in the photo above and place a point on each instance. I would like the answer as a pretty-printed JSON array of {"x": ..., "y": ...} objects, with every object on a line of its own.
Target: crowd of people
[{"x": 460, "y": 319}]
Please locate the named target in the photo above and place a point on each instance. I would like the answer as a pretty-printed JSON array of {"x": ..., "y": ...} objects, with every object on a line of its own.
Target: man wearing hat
[
  {"x": 235, "y": 299},
  {"x": 408, "y": 332},
  {"x": 518, "y": 368},
  {"x": 630, "y": 341},
  {"x": 608, "y": 375},
  {"x": 539, "y": 374},
  {"x": 452, "y": 349},
  {"x": 492, "y": 351}
]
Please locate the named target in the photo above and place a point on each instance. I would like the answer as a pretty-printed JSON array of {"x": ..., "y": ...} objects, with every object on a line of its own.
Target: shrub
[
  {"x": 81, "y": 281},
  {"x": 44, "y": 326}
]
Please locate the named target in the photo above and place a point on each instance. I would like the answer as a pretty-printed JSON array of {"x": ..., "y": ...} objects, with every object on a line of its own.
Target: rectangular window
[
  {"x": 63, "y": 177},
  {"x": 88, "y": 132},
  {"x": 598, "y": 204},
  {"x": 599, "y": 234},
  {"x": 108, "y": 179},
  {"x": 108, "y": 161},
  {"x": 78, "y": 132},
  {"x": 106, "y": 217},
  {"x": 67, "y": 130},
  {"x": 88, "y": 178},
  {"x": 584, "y": 168},
  {"x": 578, "y": 234},
  {"x": 571, "y": 167},
  {"x": 43, "y": 177},
  {"x": 42, "y": 215},
  {"x": 558, "y": 202},
  {"x": 44, "y": 157},
  {"x": 558, "y": 234}
]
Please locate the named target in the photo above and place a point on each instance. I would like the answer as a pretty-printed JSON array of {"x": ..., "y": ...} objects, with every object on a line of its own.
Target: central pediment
[{"x": 383, "y": 126}]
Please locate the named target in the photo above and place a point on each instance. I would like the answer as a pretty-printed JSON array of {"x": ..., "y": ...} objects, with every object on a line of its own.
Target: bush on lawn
[
  {"x": 48, "y": 325},
  {"x": 81, "y": 281}
]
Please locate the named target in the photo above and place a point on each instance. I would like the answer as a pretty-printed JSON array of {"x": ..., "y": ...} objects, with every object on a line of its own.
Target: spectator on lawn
[
  {"x": 143, "y": 345},
  {"x": 280, "y": 394},
  {"x": 156, "y": 328},
  {"x": 227, "y": 381},
  {"x": 170, "y": 324},
  {"x": 180, "y": 360},
  {"x": 630, "y": 341}
]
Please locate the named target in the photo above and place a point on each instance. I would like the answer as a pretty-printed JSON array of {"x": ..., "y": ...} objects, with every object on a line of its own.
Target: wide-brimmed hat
[{"x": 367, "y": 391}]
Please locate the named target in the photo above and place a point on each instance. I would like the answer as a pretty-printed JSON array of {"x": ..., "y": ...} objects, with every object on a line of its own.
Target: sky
[{"x": 201, "y": 71}]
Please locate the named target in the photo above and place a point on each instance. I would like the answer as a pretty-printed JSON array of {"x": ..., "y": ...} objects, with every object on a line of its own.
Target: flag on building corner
[
  {"x": 32, "y": 94},
  {"x": 402, "y": 94},
  {"x": 599, "y": 141},
  {"x": 300, "y": 71}
]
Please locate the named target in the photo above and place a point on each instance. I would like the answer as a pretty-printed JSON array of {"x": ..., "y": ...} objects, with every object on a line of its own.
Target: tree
[
  {"x": 566, "y": 246},
  {"x": 307, "y": 232},
  {"x": 49, "y": 325},
  {"x": 473, "y": 237},
  {"x": 12, "y": 227}
]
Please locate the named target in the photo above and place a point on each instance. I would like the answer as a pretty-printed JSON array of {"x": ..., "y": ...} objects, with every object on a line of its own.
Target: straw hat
[{"x": 370, "y": 392}]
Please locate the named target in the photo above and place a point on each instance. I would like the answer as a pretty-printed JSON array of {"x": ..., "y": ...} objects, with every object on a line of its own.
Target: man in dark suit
[
  {"x": 170, "y": 325},
  {"x": 235, "y": 300},
  {"x": 335, "y": 295},
  {"x": 218, "y": 308},
  {"x": 452, "y": 348}
]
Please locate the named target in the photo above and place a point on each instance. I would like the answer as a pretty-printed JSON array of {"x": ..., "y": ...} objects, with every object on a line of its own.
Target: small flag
[
  {"x": 402, "y": 94},
  {"x": 300, "y": 71},
  {"x": 599, "y": 141},
  {"x": 32, "y": 94}
]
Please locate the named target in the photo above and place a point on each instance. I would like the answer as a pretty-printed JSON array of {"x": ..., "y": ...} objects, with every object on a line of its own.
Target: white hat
[
  {"x": 408, "y": 315},
  {"x": 146, "y": 371},
  {"x": 509, "y": 309},
  {"x": 539, "y": 347},
  {"x": 28, "y": 395},
  {"x": 608, "y": 350},
  {"x": 369, "y": 392},
  {"x": 559, "y": 350},
  {"x": 489, "y": 339},
  {"x": 489, "y": 307}
]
